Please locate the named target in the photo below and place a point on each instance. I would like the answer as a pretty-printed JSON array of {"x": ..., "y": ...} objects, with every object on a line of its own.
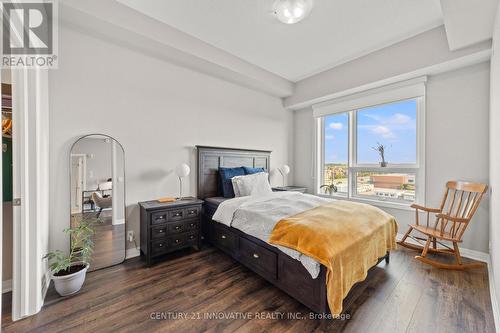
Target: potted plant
[
  {"x": 380, "y": 148},
  {"x": 329, "y": 188},
  {"x": 68, "y": 271}
]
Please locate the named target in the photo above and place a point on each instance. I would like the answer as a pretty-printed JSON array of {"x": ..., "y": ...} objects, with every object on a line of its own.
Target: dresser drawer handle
[
  {"x": 161, "y": 231},
  {"x": 177, "y": 214},
  {"x": 256, "y": 256},
  {"x": 177, "y": 241},
  {"x": 192, "y": 224},
  {"x": 223, "y": 236},
  {"x": 161, "y": 217},
  {"x": 160, "y": 245},
  {"x": 192, "y": 212},
  {"x": 191, "y": 237},
  {"x": 177, "y": 227}
]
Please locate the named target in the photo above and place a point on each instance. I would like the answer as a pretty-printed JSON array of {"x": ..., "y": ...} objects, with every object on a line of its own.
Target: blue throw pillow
[
  {"x": 225, "y": 175},
  {"x": 250, "y": 171}
]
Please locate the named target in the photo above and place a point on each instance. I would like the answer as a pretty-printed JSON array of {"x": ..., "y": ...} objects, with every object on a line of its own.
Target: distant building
[
  {"x": 393, "y": 181},
  {"x": 363, "y": 188},
  {"x": 342, "y": 188},
  {"x": 409, "y": 195},
  {"x": 388, "y": 194}
]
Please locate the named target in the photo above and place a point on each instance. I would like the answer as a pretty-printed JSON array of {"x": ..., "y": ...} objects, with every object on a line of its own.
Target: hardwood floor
[
  {"x": 403, "y": 296},
  {"x": 109, "y": 240}
]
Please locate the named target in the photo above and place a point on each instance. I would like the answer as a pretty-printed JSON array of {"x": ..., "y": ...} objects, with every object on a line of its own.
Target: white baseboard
[
  {"x": 46, "y": 285},
  {"x": 493, "y": 296},
  {"x": 119, "y": 221},
  {"x": 132, "y": 253},
  {"x": 471, "y": 254},
  {"x": 6, "y": 286}
]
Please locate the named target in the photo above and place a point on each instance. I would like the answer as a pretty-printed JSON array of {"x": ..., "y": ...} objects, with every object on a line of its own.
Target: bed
[{"x": 266, "y": 260}]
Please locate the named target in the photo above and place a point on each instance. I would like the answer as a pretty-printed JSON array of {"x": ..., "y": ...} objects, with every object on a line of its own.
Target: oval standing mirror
[{"x": 98, "y": 196}]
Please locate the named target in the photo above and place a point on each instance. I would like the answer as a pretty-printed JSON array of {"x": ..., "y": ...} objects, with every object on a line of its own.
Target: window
[
  {"x": 349, "y": 145},
  {"x": 336, "y": 142}
]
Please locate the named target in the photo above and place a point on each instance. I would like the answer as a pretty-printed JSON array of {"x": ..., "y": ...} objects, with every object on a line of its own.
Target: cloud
[
  {"x": 373, "y": 116},
  {"x": 387, "y": 127},
  {"x": 399, "y": 118},
  {"x": 329, "y": 137},
  {"x": 383, "y": 131},
  {"x": 395, "y": 119},
  {"x": 336, "y": 126}
]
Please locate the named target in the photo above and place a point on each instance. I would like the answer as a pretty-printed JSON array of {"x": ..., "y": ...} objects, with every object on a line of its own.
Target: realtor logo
[{"x": 29, "y": 33}]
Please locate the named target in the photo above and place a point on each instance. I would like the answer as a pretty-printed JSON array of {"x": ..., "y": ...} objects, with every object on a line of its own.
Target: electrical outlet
[{"x": 131, "y": 236}]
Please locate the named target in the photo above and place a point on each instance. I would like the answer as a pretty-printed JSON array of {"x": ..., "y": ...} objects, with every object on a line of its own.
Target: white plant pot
[{"x": 70, "y": 284}]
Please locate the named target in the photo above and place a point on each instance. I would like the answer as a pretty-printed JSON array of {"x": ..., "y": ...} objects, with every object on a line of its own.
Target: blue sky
[{"x": 393, "y": 125}]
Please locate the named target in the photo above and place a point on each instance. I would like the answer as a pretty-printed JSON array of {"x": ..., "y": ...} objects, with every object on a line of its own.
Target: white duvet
[{"x": 257, "y": 216}]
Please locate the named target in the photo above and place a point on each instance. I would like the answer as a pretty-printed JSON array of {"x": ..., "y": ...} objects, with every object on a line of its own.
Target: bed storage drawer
[
  {"x": 258, "y": 258},
  {"x": 224, "y": 238}
]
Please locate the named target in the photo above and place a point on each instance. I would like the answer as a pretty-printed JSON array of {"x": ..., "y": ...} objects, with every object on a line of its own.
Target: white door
[
  {"x": 30, "y": 159},
  {"x": 78, "y": 169}
]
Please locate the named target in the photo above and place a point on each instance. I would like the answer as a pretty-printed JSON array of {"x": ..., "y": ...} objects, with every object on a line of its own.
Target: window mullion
[
  {"x": 321, "y": 151},
  {"x": 352, "y": 153}
]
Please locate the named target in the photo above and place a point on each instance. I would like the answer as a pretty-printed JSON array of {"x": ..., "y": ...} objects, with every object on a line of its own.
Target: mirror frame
[{"x": 124, "y": 191}]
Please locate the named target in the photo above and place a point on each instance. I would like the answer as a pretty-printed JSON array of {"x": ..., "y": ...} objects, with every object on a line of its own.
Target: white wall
[
  {"x": 158, "y": 112},
  {"x": 468, "y": 22},
  {"x": 6, "y": 76},
  {"x": 419, "y": 54},
  {"x": 99, "y": 165},
  {"x": 495, "y": 157},
  {"x": 456, "y": 147}
]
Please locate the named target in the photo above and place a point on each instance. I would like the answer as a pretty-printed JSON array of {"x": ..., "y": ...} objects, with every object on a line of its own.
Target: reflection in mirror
[{"x": 98, "y": 195}]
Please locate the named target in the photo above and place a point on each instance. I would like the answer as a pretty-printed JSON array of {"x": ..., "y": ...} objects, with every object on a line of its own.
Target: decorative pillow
[
  {"x": 250, "y": 171},
  {"x": 225, "y": 175},
  {"x": 254, "y": 184}
]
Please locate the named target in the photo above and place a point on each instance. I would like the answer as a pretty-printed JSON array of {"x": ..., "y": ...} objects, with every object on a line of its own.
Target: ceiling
[{"x": 336, "y": 31}]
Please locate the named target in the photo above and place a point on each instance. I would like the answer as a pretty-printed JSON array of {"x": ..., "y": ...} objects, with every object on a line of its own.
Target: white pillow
[{"x": 254, "y": 184}]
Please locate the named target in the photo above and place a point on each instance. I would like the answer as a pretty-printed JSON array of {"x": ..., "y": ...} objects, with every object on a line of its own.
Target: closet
[{"x": 7, "y": 192}]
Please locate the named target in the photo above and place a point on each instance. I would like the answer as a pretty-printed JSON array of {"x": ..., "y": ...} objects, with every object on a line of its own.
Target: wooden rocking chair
[{"x": 459, "y": 204}]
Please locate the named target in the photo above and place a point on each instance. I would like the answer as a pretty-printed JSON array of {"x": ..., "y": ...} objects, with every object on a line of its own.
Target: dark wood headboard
[{"x": 211, "y": 158}]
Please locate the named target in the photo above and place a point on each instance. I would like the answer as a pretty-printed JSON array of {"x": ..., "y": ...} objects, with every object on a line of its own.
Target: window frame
[{"x": 353, "y": 167}]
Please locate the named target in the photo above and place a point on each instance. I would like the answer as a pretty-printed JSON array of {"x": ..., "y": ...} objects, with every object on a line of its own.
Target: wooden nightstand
[
  {"x": 290, "y": 188},
  {"x": 169, "y": 226}
]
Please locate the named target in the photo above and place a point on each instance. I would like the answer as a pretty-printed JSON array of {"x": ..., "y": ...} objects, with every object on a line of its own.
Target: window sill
[{"x": 376, "y": 203}]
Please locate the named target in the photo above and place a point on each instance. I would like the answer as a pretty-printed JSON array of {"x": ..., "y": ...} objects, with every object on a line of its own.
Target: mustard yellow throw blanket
[{"x": 346, "y": 237}]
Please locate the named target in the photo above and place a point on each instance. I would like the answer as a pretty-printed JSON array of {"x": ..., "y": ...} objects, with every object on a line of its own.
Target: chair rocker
[{"x": 458, "y": 206}]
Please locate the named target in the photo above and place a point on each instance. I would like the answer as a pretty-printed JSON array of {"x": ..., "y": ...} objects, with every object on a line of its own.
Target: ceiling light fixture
[{"x": 292, "y": 11}]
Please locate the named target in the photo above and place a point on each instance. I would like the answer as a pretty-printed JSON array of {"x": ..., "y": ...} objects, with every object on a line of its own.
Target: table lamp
[
  {"x": 284, "y": 170},
  {"x": 182, "y": 170}
]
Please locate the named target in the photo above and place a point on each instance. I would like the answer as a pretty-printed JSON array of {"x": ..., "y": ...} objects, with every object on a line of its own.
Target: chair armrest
[
  {"x": 452, "y": 218},
  {"x": 430, "y": 210}
]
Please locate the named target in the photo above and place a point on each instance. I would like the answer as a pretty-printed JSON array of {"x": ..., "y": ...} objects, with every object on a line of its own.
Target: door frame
[
  {"x": 30, "y": 155},
  {"x": 84, "y": 172}
]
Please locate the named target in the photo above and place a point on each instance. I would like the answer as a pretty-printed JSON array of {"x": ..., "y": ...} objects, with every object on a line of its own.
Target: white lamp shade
[
  {"x": 285, "y": 169},
  {"x": 182, "y": 170},
  {"x": 292, "y": 11}
]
